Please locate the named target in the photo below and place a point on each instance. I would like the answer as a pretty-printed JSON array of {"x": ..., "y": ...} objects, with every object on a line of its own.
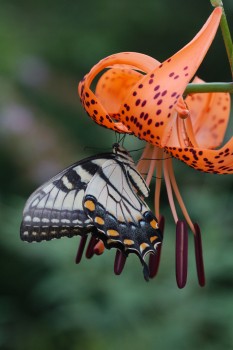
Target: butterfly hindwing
[{"x": 122, "y": 218}]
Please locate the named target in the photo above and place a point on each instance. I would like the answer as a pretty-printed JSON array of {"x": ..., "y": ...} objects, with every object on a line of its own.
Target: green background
[{"x": 46, "y": 301}]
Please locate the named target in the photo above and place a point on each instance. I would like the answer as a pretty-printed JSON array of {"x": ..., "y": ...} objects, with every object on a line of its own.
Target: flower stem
[
  {"x": 209, "y": 87},
  {"x": 225, "y": 33}
]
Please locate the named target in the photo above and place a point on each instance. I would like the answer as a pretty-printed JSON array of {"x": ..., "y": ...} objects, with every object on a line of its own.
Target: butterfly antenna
[
  {"x": 140, "y": 159},
  {"x": 136, "y": 150},
  {"x": 85, "y": 148},
  {"x": 121, "y": 139}
]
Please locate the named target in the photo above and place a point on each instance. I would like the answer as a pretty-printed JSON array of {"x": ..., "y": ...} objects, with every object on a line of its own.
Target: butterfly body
[{"x": 101, "y": 195}]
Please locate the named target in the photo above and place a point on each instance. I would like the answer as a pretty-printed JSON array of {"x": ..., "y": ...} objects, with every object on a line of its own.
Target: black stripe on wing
[{"x": 55, "y": 209}]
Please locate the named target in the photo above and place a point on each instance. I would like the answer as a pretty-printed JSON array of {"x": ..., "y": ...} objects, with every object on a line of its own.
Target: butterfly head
[{"x": 118, "y": 150}]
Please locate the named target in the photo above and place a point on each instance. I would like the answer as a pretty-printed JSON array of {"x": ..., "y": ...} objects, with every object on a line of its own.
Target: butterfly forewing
[{"x": 55, "y": 209}]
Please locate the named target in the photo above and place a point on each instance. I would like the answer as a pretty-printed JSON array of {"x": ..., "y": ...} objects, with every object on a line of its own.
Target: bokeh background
[{"x": 46, "y": 301}]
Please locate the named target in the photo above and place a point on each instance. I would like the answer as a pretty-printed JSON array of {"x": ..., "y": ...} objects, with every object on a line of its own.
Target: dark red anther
[
  {"x": 119, "y": 263},
  {"x": 154, "y": 259},
  {"x": 181, "y": 253},
  {"x": 199, "y": 256},
  {"x": 81, "y": 247},
  {"x": 90, "y": 248}
]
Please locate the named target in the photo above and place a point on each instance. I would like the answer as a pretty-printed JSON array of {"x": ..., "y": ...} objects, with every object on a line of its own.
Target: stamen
[
  {"x": 81, "y": 247},
  {"x": 158, "y": 183},
  {"x": 144, "y": 164},
  {"x": 119, "y": 263},
  {"x": 185, "y": 131},
  {"x": 181, "y": 253},
  {"x": 181, "y": 132},
  {"x": 154, "y": 259},
  {"x": 178, "y": 195},
  {"x": 90, "y": 248},
  {"x": 182, "y": 109},
  {"x": 152, "y": 166},
  {"x": 199, "y": 256},
  {"x": 169, "y": 189},
  {"x": 190, "y": 133},
  {"x": 152, "y": 158}
]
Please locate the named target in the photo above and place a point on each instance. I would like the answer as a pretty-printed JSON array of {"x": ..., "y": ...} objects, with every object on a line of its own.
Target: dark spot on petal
[
  {"x": 156, "y": 95},
  {"x": 156, "y": 87}
]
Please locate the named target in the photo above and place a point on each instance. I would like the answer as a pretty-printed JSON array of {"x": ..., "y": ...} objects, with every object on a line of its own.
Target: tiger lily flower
[{"x": 139, "y": 95}]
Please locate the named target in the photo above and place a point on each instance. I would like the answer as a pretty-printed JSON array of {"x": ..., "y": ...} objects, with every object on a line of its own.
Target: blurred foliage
[{"x": 46, "y": 301}]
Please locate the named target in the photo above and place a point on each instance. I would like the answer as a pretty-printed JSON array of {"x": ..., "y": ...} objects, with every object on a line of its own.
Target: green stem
[
  {"x": 209, "y": 87},
  {"x": 225, "y": 33}
]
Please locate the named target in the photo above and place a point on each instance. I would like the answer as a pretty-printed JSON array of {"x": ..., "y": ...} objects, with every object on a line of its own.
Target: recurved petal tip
[
  {"x": 199, "y": 256},
  {"x": 181, "y": 253}
]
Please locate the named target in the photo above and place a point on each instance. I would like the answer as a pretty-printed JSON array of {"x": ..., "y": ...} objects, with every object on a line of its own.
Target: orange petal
[
  {"x": 210, "y": 161},
  {"x": 97, "y": 112},
  {"x": 209, "y": 115},
  {"x": 154, "y": 98},
  {"x": 92, "y": 104},
  {"x": 113, "y": 86}
]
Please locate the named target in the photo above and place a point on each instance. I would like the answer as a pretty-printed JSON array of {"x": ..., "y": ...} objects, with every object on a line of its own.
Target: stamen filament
[
  {"x": 189, "y": 131},
  {"x": 152, "y": 166},
  {"x": 169, "y": 189},
  {"x": 178, "y": 195},
  {"x": 158, "y": 182},
  {"x": 143, "y": 164},
  {"x": 180, "y": 131}
]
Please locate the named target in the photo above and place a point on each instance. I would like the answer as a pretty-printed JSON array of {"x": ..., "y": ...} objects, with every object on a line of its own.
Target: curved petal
[
  {"x": 92, "y": 104},
  {"x": 97, "y": 112},
  {"x": 113, "y": 86},
  {"x": 209, "y": 115},
  {"x": 210, "y": 161},
  {"x": 154, "y": 98}
]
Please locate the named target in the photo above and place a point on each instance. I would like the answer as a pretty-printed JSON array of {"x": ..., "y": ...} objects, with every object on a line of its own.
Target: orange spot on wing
[
  {"x": 90, "y": 205},
  {"x": 128, "y": 242},
  {"x": 113, "y": 233},
  {"x": 99, "y": 220},
  {"x": 143, "y": 246},
  {"x": 154, "y": 224},
  {"x": 153, "y": 238}
]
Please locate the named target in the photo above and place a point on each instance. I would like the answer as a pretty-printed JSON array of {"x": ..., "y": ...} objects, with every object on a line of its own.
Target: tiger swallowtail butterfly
[{"x": 101, "y": 195}]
